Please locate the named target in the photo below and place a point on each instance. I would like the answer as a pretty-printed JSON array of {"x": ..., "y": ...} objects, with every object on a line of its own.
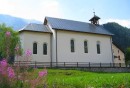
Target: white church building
[{"x": 62, "y": 40}]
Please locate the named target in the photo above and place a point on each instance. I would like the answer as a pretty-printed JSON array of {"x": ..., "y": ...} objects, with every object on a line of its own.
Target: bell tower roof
[{"x": 95, "y": 19}]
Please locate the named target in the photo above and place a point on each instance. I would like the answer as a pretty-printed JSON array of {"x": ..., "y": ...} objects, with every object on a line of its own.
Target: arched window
[
  {"x": 85, "y": 47},
  {"x": 72, "y": 45},
  {"x": 35, "y": 48},
  {"x": 44, "y": 49},
  {"x": 98, "y": 47}
]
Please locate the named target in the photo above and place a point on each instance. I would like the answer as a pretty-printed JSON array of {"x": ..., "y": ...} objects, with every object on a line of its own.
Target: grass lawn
[{"x": 57, "y": 78}]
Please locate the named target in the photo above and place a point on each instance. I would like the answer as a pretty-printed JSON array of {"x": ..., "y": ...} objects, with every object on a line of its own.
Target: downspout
[
  {"x": 111, "y": 49},
  {"x": 51, "y": 48},
  {"x": 56, "y": 48}
]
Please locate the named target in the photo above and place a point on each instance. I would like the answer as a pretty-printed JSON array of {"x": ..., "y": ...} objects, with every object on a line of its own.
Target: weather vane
[{"x": 94, "y": 12}]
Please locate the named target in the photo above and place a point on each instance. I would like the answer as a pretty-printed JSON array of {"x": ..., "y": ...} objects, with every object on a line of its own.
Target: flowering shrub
[
  {"x": 42, "y": 73},
  {"x": 19, "y": 78},
  {"x": 3, "y": 63},
  {"x": 11, "y": 73},
  {"x": 16, "y": 76},
  {"x": 28, "y": 53},
  {"x": 5, "y": 69},
  {"x": 8, "y": 34},
  {"x": 3, "y": 66}
]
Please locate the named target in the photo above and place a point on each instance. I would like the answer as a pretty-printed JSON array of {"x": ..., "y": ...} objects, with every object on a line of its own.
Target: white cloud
[
  {"x": 50, "y": 8},
  {"x": 6, "y": 7},
  {"x": 31, "y": 9},
  {"x": 123, "y": 22}
]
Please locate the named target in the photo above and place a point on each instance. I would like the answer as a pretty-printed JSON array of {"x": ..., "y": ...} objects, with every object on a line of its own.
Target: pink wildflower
[
  {"x": 3, "y": 66},
  {"x": 8, "y": 34},
  {"x": 11, "y": 73},
  {"x": 28, "y": 52},
  {"x": 42, "y": 73},
  {"x": 9, "y": 68},
  {"x": 3, "y": 63}
]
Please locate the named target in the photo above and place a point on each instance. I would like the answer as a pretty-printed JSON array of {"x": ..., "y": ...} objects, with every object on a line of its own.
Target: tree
[
  {"x": 127, "y": 56},
  {"x": 8, "y": 41},
  {"x": 121, "y": 35}
]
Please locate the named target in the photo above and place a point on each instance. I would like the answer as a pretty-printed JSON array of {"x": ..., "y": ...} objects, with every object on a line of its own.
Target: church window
[
  {"x": 85, "y": 47},
  {"x": 98, "y": 47},
  {"x": 35, "y": 48},
  {"x": 44, "y": 49},
  {"x": 72, "y": 46},
  {"x": 119, "y": 58}
]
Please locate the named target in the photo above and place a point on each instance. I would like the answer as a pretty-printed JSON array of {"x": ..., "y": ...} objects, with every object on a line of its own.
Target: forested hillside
[{"x": 121, "y": 35}]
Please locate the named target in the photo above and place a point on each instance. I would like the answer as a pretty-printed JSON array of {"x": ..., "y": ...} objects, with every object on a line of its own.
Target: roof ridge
[{"x": 66, "y": 19}]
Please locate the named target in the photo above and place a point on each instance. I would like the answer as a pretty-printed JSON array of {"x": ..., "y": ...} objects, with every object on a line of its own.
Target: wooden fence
[{"x": 69, "y": 64}]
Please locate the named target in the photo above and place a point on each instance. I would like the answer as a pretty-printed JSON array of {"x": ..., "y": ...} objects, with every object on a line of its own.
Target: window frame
[
  {"x": 72, "y": 45},
  {"x": 98, "y": 46},
  {"x": 45, "y": 51},
  {"x": 85, "y": 46},
  {"x": 35, "y": 48}
]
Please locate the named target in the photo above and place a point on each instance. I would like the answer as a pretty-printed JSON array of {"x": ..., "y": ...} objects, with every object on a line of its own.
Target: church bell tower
[{"x": 95, "y": 19}]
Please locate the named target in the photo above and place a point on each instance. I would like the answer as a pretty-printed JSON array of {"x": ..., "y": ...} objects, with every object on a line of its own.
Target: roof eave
[
  {"x": 82, "y": 31},
  {"x": 33, "y": 31}
]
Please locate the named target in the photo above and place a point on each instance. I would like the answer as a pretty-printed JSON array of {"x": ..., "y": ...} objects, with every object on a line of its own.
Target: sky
[{"x": 79, "y": 10}]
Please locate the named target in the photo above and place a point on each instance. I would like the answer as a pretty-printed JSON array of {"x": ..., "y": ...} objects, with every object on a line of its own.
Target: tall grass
[{"x": 81, "y": 79}]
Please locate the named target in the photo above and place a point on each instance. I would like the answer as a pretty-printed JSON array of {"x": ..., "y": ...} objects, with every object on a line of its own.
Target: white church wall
[
  {"x": 64, "y": 50},
  {"x": 27, "y": 40}
]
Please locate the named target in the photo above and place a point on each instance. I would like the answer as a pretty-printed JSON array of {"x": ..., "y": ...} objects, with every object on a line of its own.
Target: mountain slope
[
  {"x": 121, "y": 35},
  {"x": 15, "y": 22}
]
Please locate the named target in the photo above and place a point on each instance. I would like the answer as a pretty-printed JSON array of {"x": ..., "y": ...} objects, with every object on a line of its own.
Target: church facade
[{"x": 61, "y": 40}]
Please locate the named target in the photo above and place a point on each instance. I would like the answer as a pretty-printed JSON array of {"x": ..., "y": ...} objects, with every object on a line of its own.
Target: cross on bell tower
[{"x": 95, "y": 19}]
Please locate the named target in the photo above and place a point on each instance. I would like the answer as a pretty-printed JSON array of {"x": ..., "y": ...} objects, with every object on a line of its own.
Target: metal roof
[
  {"x": 64, "y": 24},
  {"x": 36, "y": 27}
]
